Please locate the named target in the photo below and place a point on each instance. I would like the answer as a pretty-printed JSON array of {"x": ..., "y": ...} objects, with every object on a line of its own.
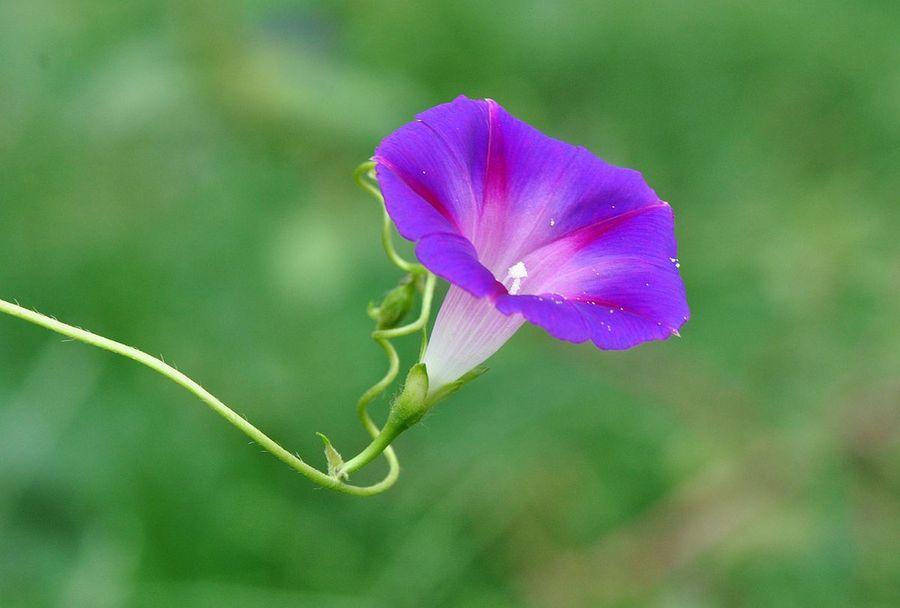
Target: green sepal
[
  {"x": 412, "y": 402},
  {"x": 448, "y": 389},
  {"x": 333, "y": 457}
]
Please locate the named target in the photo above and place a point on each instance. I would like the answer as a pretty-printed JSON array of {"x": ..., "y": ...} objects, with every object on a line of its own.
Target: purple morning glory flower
[{"x": 526, "y": 227}]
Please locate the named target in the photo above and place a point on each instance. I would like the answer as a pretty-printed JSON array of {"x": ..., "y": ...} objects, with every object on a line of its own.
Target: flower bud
[{"x": 395, "y": 306}]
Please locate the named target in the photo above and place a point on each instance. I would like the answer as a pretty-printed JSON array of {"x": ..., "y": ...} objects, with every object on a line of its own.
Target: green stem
[
  {"x": 380, "y": 443},
  {"x": 382, "y": 438},
  {"x": 364, "y": 174},
  {"x": 370, "y": 395},
  {"x": 296, "y": 463}
]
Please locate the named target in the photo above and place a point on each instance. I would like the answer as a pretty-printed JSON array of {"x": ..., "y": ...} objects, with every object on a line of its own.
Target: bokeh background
[{"x": 178, "y": 176}]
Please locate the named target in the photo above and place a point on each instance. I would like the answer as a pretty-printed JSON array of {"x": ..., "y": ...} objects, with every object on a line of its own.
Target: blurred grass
[{"x": 177, "y": 176}]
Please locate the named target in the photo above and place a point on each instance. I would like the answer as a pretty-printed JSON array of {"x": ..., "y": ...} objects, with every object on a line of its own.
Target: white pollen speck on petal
[
  {"x": 552, "y": 222},
  {"x": 517, "y": 272}
]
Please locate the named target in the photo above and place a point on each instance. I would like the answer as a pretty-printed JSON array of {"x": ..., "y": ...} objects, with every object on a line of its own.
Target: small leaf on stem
[{"x": 333, "y": 457}]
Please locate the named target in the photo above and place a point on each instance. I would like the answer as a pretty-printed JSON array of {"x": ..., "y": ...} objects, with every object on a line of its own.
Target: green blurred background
[{"x": 177, "y": 176}]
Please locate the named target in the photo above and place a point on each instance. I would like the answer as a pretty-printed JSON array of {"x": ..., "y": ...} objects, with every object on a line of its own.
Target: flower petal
[
  {"x": 637, "y": 303},
  {"x": 558, "y": 316},
  {"x": 631, "y": 302},
  {"x": 431, "y": 171},
  {"x": 565, "y": 265},
  {"x": 620, "y": 274},
  {"x": 471, "y": 168},
  {"x": 415, "y": 210},
  {"x": 629, "y": 265},
  {"x": 538, "y": 189},
  {"x": 452, "y": 257}
]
